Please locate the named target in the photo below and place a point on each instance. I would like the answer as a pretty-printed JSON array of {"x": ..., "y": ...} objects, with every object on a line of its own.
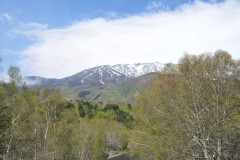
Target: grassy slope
[{"x": 123, "y": 92}]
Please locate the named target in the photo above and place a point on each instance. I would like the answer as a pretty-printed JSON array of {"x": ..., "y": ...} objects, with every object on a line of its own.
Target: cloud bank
[{"x": 161, "y": 36}]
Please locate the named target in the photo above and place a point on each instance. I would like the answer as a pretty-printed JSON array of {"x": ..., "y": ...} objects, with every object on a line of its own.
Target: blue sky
[{"x": 45, "y": 37}]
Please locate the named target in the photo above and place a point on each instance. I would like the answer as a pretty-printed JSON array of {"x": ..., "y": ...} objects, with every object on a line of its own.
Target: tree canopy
[{"x": 192, "y": 110}]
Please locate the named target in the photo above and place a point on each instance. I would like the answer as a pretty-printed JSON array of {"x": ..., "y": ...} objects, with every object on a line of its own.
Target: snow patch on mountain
[
  {"x": 138, "y": 69},
  {"x": 101, "y": 75}
]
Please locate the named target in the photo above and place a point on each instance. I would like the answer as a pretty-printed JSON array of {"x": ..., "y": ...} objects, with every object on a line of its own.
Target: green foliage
[
  {"x": 66, "y": 135},
  {"x": 100, "y": 114},
  {"x": 40, "y": 124},
  {"x": 191, "y": 110},
  {"x": 111, "y": 107},
  {"x": 5, "y": 118},
  {"x": 124, "y": 140},
  {"x": 70, "y": 105},
  {"x": 14, "y": 75},
  {"x": 110, "y": 111},
  {"x": 100, "y": 146},
  {"x": 115, "y": 113},
  {"x": 81, "y": 110}
]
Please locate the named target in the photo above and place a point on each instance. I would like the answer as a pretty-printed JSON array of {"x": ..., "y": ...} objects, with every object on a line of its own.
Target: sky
[{"x": 58, "y": 38}]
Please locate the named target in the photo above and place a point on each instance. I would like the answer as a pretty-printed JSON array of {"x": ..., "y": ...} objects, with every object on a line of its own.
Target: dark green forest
[{"x": 191, "y": 111}]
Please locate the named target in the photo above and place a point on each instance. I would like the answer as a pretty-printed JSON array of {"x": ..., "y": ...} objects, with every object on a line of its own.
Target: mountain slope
[
  {"x": 96, "y": 76},
  {"x": 125, "y": 91},
  {"x": 121, "y": 82}
]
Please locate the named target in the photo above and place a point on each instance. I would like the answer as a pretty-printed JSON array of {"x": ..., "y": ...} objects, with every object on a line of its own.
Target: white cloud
[
  {"x": 158, "y": 36},
  {"x": 156, "y": 5},
  {"x": 31, "y": 30},
  {"x": 5, "y": 16}
]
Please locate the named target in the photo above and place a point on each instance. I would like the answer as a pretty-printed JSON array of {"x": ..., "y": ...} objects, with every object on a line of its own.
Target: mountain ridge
[
  {"x": 100, "y": 75},
  {"x": 109, "y": 83}
]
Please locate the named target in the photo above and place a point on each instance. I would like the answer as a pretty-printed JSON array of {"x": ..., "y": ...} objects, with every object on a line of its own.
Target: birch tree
[{"x": 197, "y": 107}]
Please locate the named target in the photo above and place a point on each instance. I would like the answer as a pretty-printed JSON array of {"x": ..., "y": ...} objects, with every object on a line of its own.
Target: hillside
[
  {"x": 125, "y": 91},
  {"x": 117, "y": 83}
]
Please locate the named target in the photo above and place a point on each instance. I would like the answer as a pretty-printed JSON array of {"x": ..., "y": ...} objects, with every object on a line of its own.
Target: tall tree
[
  {"x": 12, "y": 108},
  {"x": 100, "y": 146},
  {"x": 14, "y": 75},
  {"x": 193, "y": 111}
]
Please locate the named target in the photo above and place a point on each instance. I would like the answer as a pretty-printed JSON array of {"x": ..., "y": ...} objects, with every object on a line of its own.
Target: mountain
[
  {"x": 119, "y": 82},
  {"x": 126, "y": 91},
  {"x": 139, "y": 69},
  {"x": 98, "y": 76}
]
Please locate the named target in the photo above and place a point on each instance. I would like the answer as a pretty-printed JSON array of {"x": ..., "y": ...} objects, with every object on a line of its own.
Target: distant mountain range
[{"x": 121, "y": 82}]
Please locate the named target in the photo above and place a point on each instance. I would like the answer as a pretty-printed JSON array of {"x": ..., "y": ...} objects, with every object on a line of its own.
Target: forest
[{"x": 191, "y": 111}]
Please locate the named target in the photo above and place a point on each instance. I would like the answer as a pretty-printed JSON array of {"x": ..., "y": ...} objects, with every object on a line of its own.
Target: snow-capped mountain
[
  {"x": 96, "y": 76},
  {"x": 99, "y": 76},
  {"x": 121, "y": 82},
  {"x": 136, "y": 70}
]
